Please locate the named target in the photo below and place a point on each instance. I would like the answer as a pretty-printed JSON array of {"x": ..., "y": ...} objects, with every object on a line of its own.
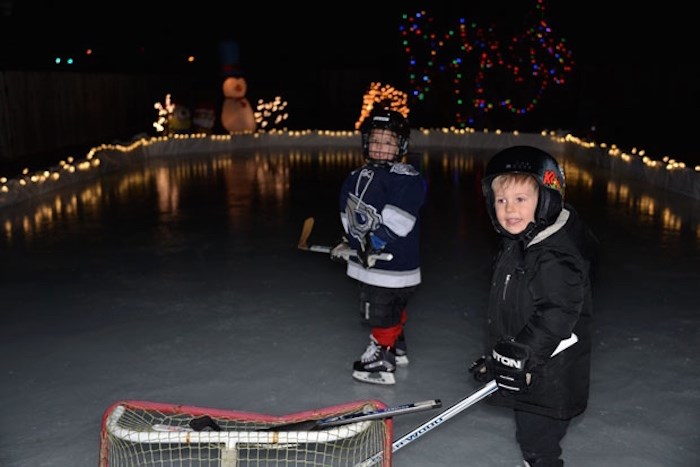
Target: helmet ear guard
[
  {"x": 543, "y": 167},
  {"x": 385, "y": 119}
]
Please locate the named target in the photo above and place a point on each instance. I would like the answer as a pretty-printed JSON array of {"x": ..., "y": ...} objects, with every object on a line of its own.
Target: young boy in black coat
[{"x": 540, "y": 295}]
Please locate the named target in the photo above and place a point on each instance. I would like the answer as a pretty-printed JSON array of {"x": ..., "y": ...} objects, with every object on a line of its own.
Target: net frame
[{"x": 144, "y": 433}]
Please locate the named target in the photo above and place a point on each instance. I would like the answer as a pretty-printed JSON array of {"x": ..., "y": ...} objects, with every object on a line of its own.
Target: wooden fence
[{"x": 43, "y": 111}]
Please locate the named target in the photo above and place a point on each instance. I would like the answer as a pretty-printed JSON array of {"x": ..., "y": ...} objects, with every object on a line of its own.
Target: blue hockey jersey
[{"x": 385, "y": 199}]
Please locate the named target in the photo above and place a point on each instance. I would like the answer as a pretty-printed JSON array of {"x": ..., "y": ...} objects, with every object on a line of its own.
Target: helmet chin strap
[{"x": 380, "y": 162}]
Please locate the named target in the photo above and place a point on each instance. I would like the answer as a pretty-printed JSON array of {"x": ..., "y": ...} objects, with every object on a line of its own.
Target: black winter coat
[{"x": 540, "y": 294}]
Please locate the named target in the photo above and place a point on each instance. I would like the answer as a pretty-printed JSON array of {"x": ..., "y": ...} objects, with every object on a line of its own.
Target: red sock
[{"x": 387, "y": 336}]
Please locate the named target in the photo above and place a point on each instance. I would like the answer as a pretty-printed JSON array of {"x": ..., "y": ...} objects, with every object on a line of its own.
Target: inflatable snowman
[{"x": 236, "y": 113}]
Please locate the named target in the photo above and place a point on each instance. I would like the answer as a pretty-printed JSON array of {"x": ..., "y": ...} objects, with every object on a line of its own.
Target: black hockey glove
[
  {"x": 370, "y": 248},
  {"x": 479, "y": 369},
  {"x": 508, "y": 366}
]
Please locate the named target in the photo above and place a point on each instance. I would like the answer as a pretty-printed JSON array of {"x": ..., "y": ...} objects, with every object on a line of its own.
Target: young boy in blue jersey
[{"x": 379, "y": 210}]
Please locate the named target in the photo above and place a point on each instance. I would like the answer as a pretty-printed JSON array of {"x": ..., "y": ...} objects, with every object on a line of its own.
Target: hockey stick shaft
[
  {"x": 436, "y": 421},
  {"x": 486, "y": 390},
  {"x": 320, "y": 248},
  {"x": 198, "y": 424},
  {"x": 346, "y": 254},
  {"x": 307, "y": 425}
]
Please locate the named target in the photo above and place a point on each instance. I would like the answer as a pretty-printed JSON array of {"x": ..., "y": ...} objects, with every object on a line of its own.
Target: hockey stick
[
  {"x": 309, "y": 425},
  {"x": 337, "y": 252},
  {"x": 205, "y": 422},
  {"x": 486, "y": 390}
]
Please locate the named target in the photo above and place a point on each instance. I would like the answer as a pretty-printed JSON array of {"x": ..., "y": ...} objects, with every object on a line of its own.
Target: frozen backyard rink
[{"x": 181, "y": 283}]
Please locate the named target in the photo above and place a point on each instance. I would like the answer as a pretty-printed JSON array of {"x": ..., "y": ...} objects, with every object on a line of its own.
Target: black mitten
[
  {"x": 479, "y": 369},
  {"x": 508, "y": 365}
]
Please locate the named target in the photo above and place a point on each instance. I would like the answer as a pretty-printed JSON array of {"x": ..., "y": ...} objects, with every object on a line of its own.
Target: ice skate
[
  {"x": 376, "y": 365},
  {"x": 401, "y": 350}
]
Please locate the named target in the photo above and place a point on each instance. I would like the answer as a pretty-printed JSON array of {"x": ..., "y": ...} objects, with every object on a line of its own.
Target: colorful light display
[{"x": 487, "y": 71}]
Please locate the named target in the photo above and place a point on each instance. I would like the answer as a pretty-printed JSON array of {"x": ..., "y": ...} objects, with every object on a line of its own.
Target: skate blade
[
  {"x": 378, "y": 377},
  {"x": 401, "y": 360}
]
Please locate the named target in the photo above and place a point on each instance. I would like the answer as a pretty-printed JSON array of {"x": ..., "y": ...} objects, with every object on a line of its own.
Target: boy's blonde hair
[{"x": 507, "y": 179}]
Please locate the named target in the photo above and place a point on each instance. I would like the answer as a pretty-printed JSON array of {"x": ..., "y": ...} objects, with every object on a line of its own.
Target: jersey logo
[{"x": 362, "y": 217}]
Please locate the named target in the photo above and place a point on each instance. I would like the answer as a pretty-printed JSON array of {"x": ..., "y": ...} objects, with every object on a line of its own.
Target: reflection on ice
[{"x": 242, "y": 180}]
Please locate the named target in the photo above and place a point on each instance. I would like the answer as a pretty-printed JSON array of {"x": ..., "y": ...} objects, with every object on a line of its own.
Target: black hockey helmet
[
  {"x": 543, "y": 168},
  {"x": 386, "y": 119}
]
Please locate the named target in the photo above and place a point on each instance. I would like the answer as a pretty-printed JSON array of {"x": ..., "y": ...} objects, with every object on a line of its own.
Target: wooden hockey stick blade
[
  {"x": 310, "y": 425},
  {"x": 306, "y": 233},
  {"x": 486, "y": 390}
]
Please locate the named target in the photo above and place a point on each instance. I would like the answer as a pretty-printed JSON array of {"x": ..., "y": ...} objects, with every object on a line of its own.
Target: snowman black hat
[{"x": 229, "y": 55}]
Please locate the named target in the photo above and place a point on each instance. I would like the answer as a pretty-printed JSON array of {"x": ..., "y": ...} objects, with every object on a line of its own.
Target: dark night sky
[
  {"x": 594, "y": 31},
  {"x": 635, "y": 71},
  {"x": 293, "y": 30}
]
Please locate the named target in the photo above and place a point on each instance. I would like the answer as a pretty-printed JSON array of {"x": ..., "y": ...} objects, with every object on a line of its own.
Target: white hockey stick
[
  {"x": 341, "y": 251},
  {"x": 486, "y": 390},
  {"x": 309, "y": 425},
  {"x": 205, "y": 422}
]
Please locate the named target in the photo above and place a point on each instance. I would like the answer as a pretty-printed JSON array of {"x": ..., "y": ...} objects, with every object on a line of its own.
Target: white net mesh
[{"x": 137, "y": 433}]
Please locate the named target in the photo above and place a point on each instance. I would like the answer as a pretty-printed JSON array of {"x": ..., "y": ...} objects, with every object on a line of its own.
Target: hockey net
[{"x": 141, "y": 433}]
